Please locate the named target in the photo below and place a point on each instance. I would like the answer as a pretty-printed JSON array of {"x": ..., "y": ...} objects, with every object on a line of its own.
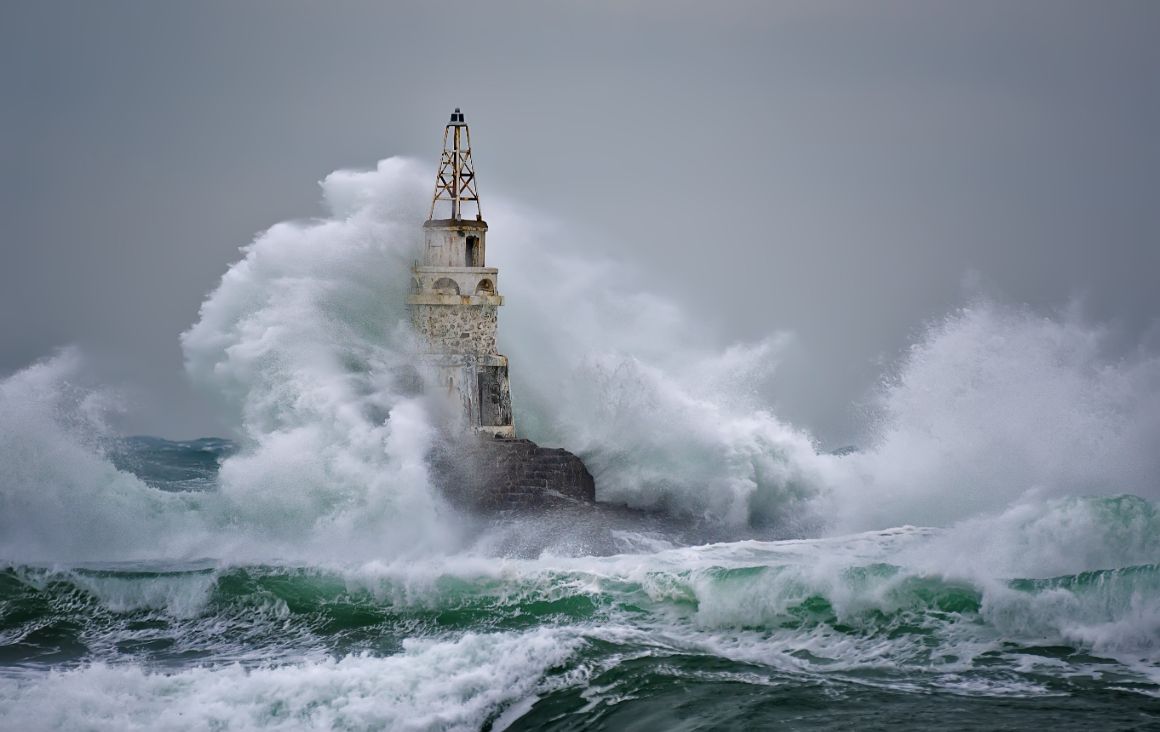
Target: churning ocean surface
[{"x": 988, "y": 558}]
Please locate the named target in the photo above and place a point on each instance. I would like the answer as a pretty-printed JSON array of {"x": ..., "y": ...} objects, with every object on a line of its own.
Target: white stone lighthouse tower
[{"x": 454, "y": 295}]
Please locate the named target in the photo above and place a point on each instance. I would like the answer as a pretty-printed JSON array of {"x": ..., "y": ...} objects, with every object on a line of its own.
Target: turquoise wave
[{"x": 54, "y": 615}]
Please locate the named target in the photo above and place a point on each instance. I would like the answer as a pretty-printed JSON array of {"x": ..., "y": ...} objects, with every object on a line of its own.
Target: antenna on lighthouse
[{"x": 455, "y": 182}]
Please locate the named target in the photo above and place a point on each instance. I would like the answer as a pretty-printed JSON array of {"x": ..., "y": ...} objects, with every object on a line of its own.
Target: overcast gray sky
[{"x": 834, "y": 169}]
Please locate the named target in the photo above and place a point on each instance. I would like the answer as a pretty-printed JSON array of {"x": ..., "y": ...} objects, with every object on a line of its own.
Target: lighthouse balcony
[{"x": 455, "y": 285}]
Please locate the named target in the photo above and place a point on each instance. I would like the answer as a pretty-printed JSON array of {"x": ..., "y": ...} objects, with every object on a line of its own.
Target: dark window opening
[
  {"x": 495, "y": 402},
  {"x": 474, "y": 255}
]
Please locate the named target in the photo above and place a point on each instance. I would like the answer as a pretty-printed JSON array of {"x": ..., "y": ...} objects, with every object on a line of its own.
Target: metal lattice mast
[{"x": 455, "y": 181}]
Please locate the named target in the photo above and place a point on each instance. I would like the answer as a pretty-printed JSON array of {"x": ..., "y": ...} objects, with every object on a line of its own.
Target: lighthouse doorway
[
  {"x": 495, "y": 405},
  {"x": 474, "y": 255}
]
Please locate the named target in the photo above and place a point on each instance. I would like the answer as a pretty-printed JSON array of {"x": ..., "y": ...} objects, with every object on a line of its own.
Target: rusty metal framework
[{"x": 455, "y": 181}]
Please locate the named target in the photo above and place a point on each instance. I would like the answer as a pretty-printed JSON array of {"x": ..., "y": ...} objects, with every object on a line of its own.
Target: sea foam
[
  {"x": 994, "y": 407},
  {"x": 433, "y": 684}
]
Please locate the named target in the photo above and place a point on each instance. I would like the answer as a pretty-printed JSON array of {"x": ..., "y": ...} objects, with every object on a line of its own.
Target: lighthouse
[
  {"x": 454, "y": 296},
  {"x": 454, "y": 301}
]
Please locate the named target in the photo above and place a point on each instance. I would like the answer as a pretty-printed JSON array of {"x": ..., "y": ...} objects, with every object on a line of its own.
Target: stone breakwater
[{"x": 490, "y": 474}]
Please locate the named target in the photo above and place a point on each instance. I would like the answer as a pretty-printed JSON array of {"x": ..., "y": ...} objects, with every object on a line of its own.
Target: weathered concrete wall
[
  {"x": 446, "y": 243},
  {"x": 478, "y": 386}
]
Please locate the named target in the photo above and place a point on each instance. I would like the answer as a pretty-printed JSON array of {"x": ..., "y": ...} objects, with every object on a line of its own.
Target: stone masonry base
[{"x": 487, "y": 473}]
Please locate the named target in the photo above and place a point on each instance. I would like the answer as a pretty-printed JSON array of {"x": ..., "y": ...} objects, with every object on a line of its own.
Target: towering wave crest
[
  {"x": 302, "y": 341},
  {"x": 60, "y": 497},
  {"x": 304, "y": 336},
  {"x": 664, "y": 417},
  {"x": 996, "y": 406}
]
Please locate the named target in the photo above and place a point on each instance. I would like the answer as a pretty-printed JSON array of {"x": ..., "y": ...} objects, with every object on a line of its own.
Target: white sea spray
[{"x": 446, "y": 685}]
